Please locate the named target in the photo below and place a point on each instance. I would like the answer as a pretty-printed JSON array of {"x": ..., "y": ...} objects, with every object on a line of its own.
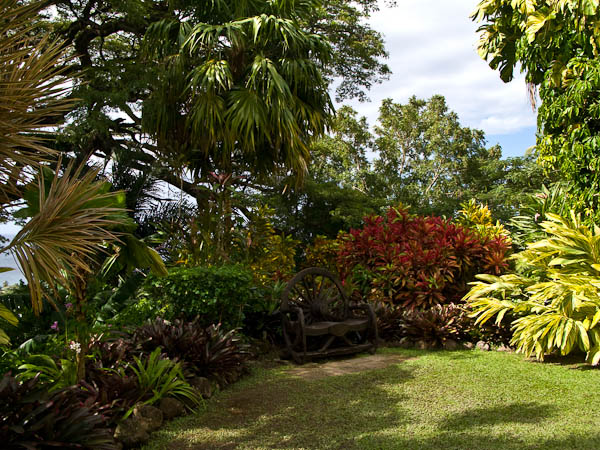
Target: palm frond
[
  {"x": 71, "y": 224},
  {"x": 32, "y": 94}
]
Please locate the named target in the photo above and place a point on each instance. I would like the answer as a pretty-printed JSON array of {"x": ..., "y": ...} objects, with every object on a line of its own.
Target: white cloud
[{"x": 432, "y": 47}]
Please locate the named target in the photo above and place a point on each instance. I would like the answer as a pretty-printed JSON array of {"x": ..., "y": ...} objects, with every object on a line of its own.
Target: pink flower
[{"x": 54, "y": 326}]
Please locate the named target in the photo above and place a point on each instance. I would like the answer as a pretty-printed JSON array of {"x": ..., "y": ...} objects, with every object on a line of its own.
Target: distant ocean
[{"x": 6, "y": 260}]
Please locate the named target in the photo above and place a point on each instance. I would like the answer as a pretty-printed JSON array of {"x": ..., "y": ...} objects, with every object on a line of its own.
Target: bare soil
[{"x": 315, "y": 371}]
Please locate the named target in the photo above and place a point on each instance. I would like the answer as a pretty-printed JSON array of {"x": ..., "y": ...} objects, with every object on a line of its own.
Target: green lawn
[{"x": 435, "y": 400}]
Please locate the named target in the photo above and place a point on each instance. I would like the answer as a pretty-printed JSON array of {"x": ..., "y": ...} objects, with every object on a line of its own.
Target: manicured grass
[{"x": 436, "y": 400}]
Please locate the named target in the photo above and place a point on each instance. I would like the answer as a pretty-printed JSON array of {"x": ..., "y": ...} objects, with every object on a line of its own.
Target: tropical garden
[{"x": 171, "y": 164}]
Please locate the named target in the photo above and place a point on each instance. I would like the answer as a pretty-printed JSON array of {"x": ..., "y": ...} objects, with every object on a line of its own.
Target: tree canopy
[
  {"x": 556, "y": 44},
  {"x": 121, "y": 85}
]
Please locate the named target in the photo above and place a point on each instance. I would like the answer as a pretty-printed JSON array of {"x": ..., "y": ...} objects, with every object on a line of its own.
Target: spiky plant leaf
[
  {"x": 72, "y": 222},
  {"x": 32, "y": 93}
]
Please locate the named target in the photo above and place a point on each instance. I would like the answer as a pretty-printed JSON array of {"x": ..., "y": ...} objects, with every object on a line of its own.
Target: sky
[{"x": 432, "y": 46}]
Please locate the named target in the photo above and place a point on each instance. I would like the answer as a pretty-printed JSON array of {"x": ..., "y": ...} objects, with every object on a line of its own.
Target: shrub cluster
[
  {"x": 417, "y": 262},
  {"x": 44, "y": 405},
  {"x": 216, "y": 294}
]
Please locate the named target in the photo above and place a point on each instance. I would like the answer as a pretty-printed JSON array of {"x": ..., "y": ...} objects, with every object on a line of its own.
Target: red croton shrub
[{"x": 417, "y": 262}]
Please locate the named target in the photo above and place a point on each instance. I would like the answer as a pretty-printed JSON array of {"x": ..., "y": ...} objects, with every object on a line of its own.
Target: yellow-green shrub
[
  {"x": 322, "y": 253},
  {"x": 478, "y": 217},
  {"x": 268, "y": 255},
  {"x": 556, "y": 299}
]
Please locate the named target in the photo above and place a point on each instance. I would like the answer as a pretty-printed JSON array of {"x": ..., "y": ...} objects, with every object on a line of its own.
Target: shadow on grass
[
  {"x": 295, "y": 413},
  {"x": 574, "y": 361},
  {"x": 514, "y": 413},
  {"x": 368, "y": 410}
]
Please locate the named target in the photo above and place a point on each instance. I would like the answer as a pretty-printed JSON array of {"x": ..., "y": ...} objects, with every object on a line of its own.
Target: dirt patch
[{"x": 315, "y": 371}]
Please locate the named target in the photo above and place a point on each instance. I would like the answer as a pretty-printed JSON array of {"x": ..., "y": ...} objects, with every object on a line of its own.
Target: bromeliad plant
[
  {"x": 34, "y": 419},
  {"x": 556, "y": 301},
  {"x": 159, "y": 377},
  {"x": 436, "y": 325},
  {"x": 204, "y": 351}
]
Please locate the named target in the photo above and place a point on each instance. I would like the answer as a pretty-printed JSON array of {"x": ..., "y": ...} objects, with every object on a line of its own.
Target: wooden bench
[{"x": 318, "y": 320}]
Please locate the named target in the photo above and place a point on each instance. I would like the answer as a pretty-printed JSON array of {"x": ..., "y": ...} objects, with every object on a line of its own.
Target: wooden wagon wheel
[{"x": 318, "y": 293}]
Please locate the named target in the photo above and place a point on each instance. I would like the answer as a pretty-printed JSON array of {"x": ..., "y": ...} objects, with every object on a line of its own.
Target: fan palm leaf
[{"x": 251, "y": 90}]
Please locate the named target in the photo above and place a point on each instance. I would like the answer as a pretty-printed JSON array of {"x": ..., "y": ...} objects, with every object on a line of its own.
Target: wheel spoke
[
  {"x": 300, "y": 295},
  {"x": 308, "y": 290}
]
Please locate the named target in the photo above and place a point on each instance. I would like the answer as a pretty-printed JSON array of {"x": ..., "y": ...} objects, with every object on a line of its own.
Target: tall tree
[
  {"x": 106, "y": 39},
  {"x": 341, "y": 157},
  {"x": 426, "y": 159},
  {"x": 418, "y": 147},
  {"x": 556, "y": 44}
]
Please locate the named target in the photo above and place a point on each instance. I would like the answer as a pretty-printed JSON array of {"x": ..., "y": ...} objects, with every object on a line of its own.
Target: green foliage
[
  {"x": 139, "y": 309},
  {"x": 527, "y": 226},
  {"x": 6, "y": 317},
  {"x": 426, "y": 159},
  {"x": 110, "y": 302},
  {"x": 217, "y": 294},
  {"x": 357, "y": 48},
  {"x": 422, "y": 157},
  {"x": 261, "y": 317},
  {"x": 159, "y": 378},
  {"x": 35, "y": 419},
  {"x": 556, "y": 306},
  {"x": 54, "y": 375},
  {"x": 17, "y": 298},
  {"x": 556, "y": 44},
  {"x": 320, "y": 208}
]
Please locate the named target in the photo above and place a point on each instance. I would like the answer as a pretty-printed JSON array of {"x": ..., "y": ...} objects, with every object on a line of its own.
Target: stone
[
  {"x": 171, "y": 408},
  {"x": 405, "y": 343},
  {"x": 150, "y": 416},
  {"x": 203, "y": 386},
  {"x": 451, "y": 344},
  {"x": 504, "y": 348},
  {"x": 132, "y": 432},
  {"x": 469, "y": 345},
  {"x": 484, "y": 346},
  {"x": 422, "y": 345}
]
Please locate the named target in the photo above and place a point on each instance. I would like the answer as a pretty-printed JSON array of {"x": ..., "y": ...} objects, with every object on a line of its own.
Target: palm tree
[
  {"x": 241, "y": 95},
  {"x": 71, "y": 215}
]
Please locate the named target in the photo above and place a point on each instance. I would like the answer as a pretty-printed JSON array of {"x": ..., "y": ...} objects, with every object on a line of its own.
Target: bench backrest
[{"x": 318, "y": 293}]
